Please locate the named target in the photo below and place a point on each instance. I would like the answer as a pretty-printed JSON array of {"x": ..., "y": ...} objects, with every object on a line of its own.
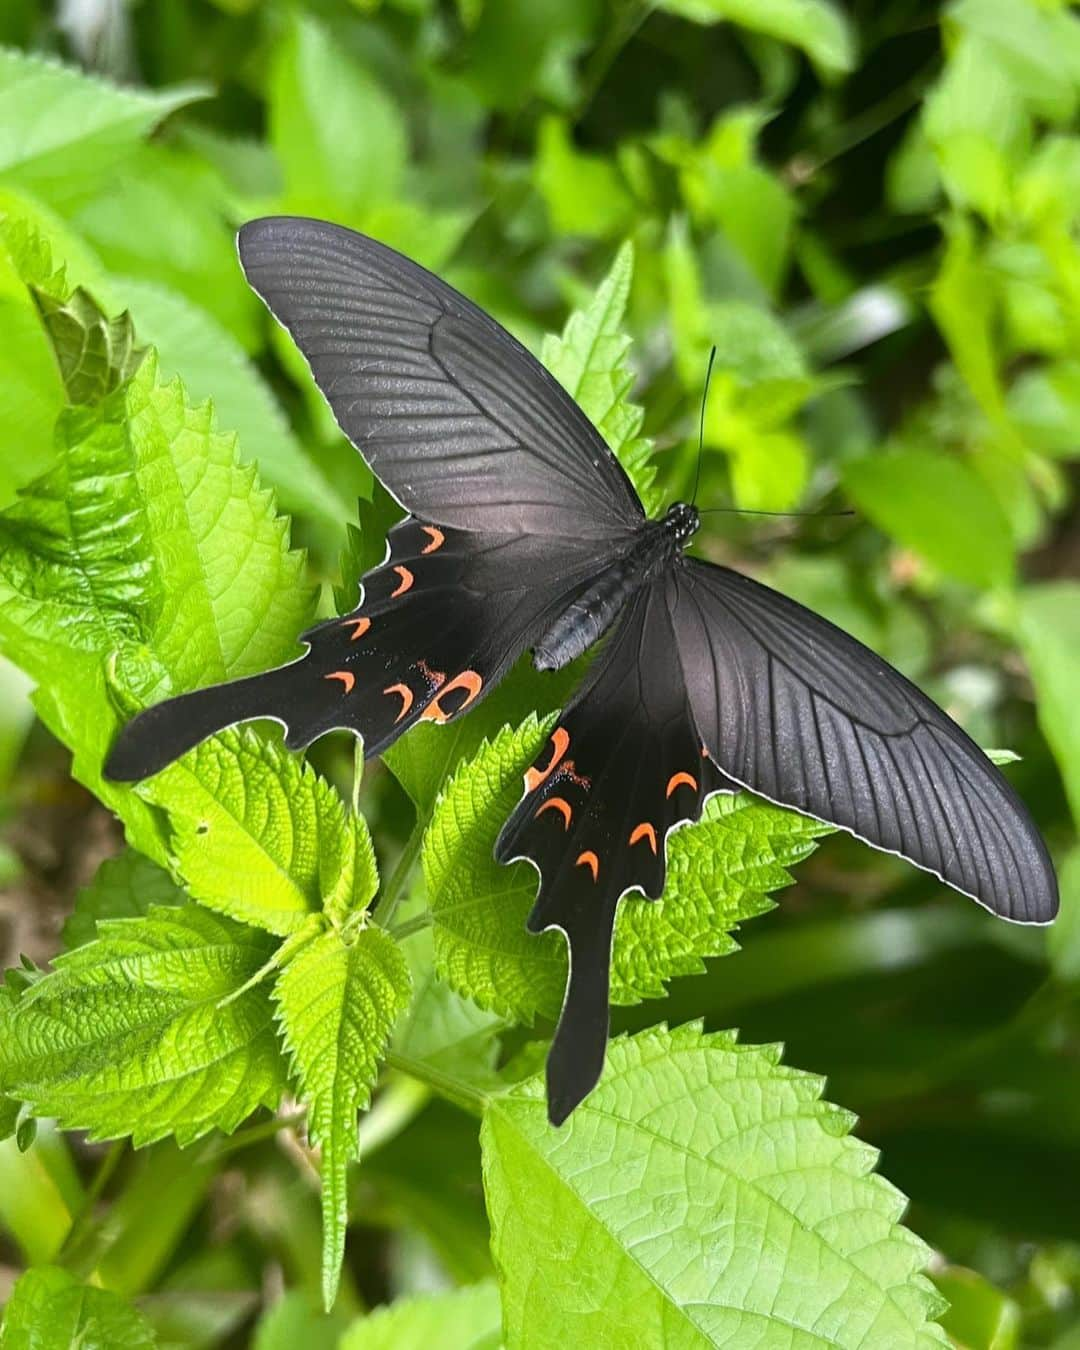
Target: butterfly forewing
[
  {"x": 456, "y": 418},
  {"x": 796, "y": 709}
]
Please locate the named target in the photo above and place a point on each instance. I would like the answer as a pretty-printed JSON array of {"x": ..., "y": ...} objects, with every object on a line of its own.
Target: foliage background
[{"x": 872, "y": 212}]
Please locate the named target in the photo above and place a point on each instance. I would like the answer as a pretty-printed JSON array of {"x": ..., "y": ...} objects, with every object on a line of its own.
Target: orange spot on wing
[
  {"x": 347, "y": 678},
  {"x": 560, "y": 743},
  {"x": 561, "y": 805},
  {"x": 437, "y": 538},
  {"x": 644, "y": 831},
  {"x": 468, "y": 680},
  {"x": 678, "y": 778},
  {"x": 406, "y": 698},
  {"x": 360, "y": 627},
  {"x": 405, "y": 584},
  {"x": 591, "y": 861}
]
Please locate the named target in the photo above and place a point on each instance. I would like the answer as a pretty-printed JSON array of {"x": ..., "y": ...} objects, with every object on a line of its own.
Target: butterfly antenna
[
  {"x": 747, "y": 511},
  {"x": 701, "y": 423}
]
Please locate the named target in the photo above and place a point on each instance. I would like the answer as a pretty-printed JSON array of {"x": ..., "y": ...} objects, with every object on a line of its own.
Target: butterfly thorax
[{"x": 600, "y": 602}]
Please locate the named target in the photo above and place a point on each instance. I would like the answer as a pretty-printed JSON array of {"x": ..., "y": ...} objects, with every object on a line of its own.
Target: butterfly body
[
  {"x": 524, "y": 533},
  {"x": 652, "y": 549}
]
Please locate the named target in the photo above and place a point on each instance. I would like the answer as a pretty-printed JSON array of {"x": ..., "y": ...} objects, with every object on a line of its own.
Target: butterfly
[{"x": 523, "y": 532}]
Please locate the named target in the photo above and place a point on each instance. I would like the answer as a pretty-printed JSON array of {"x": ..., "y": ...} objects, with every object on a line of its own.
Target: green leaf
[
  {"x": 583, "y": 193},
  {"x": 125, "y": 887},
  {"x": 443, "y": 1030},
  {"x": 95, "y": 354},
  {"x": 49, "y": 1308},
  {"x": 365, "y": 544},
  {"x": 336, "y": 1004},
  {"x": 165, "y": 219},
  {"x": 62, "y": 132},
  {"x": 818, "y": 28},
  {"x": 478, "y": 907},
  {"x": 1049, "y": 632},
  {"x": 977, "y": 124},
  {"x": 589, "y": 361},
  {"x": 724, "y": 185},
  {"x": 979, "y": 1316},
  {"x": 149, "y": 539},
  {"x": 720, "y": 1201},
  {"x": 341, "y": 156},
  {"x": 295, "y": 1321},
  {"x": 719, "y": 874},
  {"x": 938, "y": 507},
  {"x": 212, "y": 364},
  {"x": 148, "y": 1030},
  {"x": 963, "y": 307},
  {"x": 232, "y": 598},
  {"x": 1034, "y": 48},
  {"x": 9, "y": 1117},
  {"x": 258, "y": 835},
  {"x": 1063, "y": 938},
  {"x": 31, "y": 390},
  {"x": 465, "y": 1319}
]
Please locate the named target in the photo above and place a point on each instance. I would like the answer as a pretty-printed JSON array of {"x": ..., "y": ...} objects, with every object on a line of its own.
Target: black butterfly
[{"x": 524, "y": 532}]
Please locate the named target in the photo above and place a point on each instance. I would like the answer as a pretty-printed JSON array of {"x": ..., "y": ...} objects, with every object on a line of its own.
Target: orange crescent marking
[
  {"x": 468, "y": 680},
  {"x": 560, "y": 741},
  {"x": 680, "y": 777},
  {"x": 406, "y": 698},
  {"x": 405, "y": 584},
  {"x": 591, "y": 861},
  {"x": 347, "y": 678},
  {"x": 644, "y": 831},
  {"x": 360, "y": 627},
  {"x": 437, "y": 538},
  {"x": 558, "y": 804}
]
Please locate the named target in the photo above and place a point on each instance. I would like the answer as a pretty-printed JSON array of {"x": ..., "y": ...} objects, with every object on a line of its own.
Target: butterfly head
[{"x": 682, "y": 521}]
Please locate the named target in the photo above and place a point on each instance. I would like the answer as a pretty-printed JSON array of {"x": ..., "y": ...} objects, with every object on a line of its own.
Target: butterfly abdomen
[{"x": 596, "y": 607}]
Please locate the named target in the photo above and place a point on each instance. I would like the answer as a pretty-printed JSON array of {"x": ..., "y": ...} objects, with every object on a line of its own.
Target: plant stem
[
  {"x": 395, "y": 888},
  {"x": 255, "y": 1134},
  {"x": 358, "y": 774},
  {"x": 84, "y": 1222},
  {"x": 410, "y": 926},
  {"x": 462, "y": 1094}
]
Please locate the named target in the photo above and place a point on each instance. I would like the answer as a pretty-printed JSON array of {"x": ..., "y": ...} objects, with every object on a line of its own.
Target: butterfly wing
[
  {"x": 623, "y": 766},
  {"x": 440, "y": 622},
  {"x": 457, "y": 419},
  {"x": 797, "y": 710}
]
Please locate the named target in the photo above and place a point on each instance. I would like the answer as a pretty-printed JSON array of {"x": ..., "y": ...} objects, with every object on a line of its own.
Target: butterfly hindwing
[
  {"x": 457, "y": 419},
  {"x": 440, "y": 622},
  {"x": 622, "y": 767},
  {"x": 796, "y": 709}
]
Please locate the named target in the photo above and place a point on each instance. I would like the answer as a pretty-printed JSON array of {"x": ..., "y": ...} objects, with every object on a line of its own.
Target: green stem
[
  {"x": 358, "y": 775},
  {"x": 255, "y": 1134},
  {"x": 394, "y": 891},
  {"x": 84, "y": 1222},
  {"x": 410, "y": 926},
  {"x": 466, "y": 1096}
]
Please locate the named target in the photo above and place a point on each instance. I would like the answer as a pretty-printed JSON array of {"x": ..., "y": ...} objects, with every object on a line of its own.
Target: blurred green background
[{"x": 872, "y": 211}]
